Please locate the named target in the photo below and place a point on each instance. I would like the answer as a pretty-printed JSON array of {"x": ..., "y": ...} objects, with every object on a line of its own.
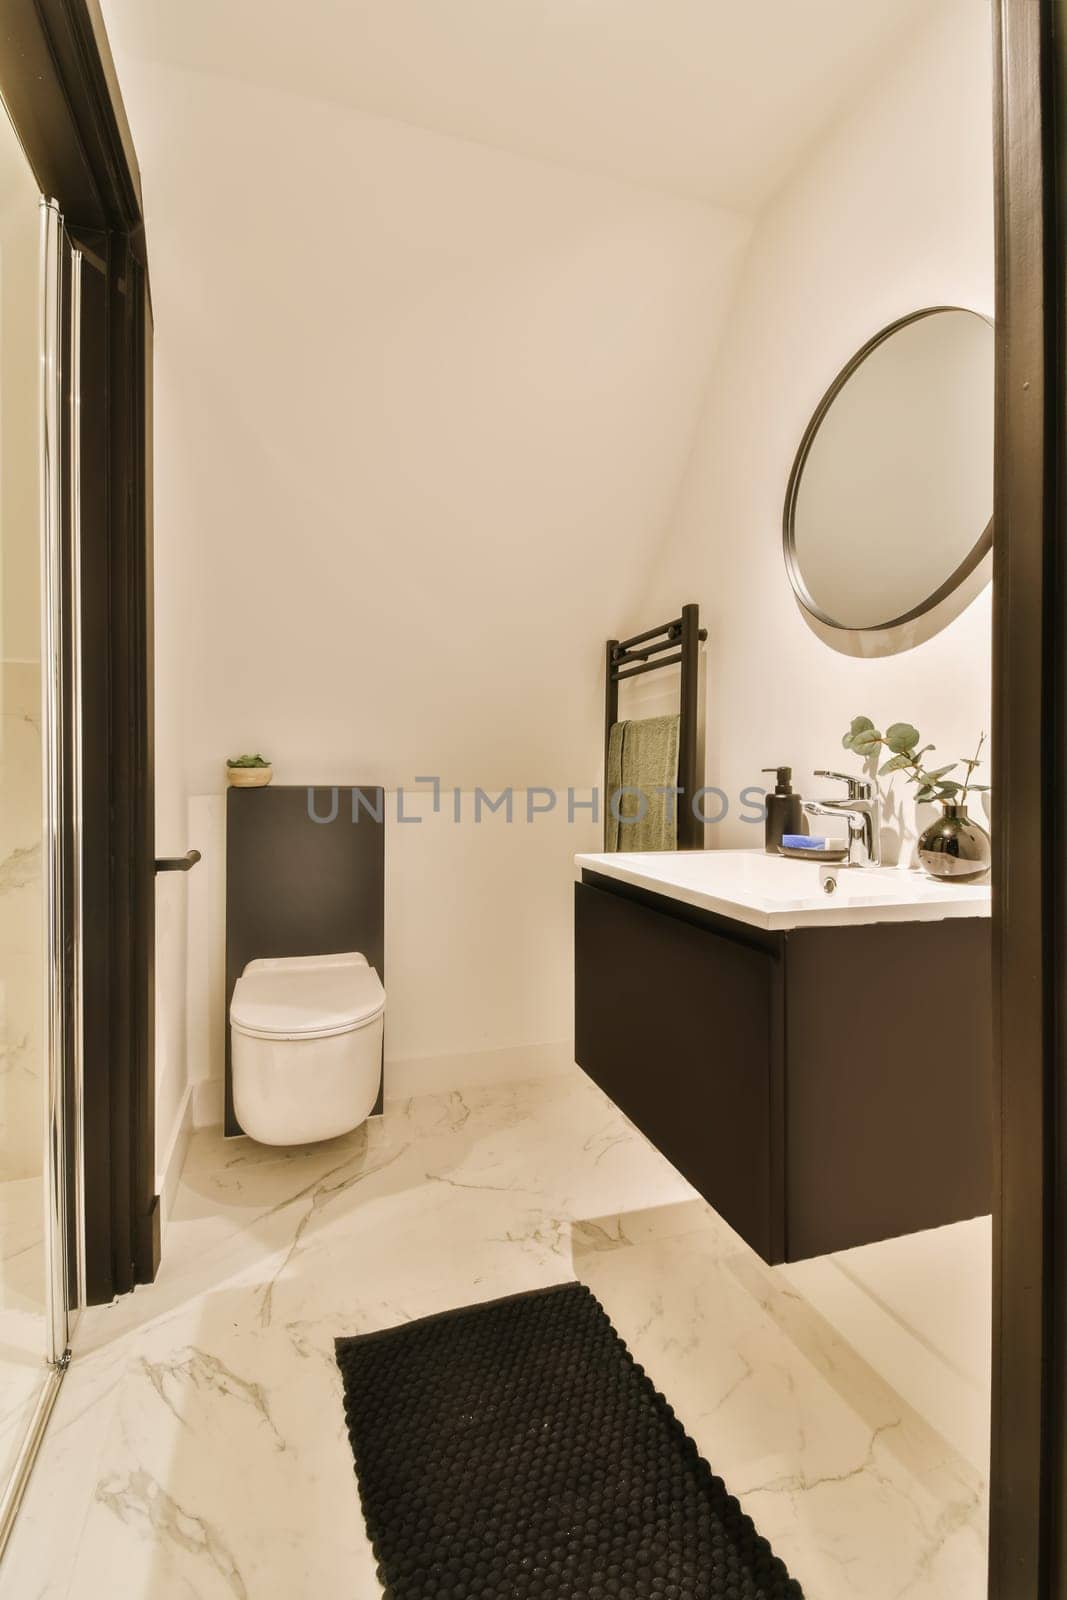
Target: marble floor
[
  {"x": 198, "y": 1447},
  {"x": 22, "y": 1317}
]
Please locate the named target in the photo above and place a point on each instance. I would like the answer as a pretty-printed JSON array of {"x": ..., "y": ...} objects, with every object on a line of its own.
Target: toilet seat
[{"x": 306, "y": 997}]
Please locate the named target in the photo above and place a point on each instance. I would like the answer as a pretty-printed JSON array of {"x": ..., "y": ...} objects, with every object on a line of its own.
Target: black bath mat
[{"x": 515, "y": 1451}]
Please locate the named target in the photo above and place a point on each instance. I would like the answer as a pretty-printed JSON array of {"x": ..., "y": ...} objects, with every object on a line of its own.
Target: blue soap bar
[{"x": 803, "y": 841}]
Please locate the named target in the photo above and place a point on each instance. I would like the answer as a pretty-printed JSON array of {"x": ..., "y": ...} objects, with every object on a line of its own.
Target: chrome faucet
[{"x": 862, "y": 810}]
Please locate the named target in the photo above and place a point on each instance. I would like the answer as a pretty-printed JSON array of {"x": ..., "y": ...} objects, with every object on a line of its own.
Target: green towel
[
  {"x": 613, "y": 781},
  {"x": 643, "y": 755}
]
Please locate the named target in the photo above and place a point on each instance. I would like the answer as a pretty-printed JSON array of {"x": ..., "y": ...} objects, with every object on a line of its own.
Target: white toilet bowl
[{"x": 306, "y": 1046}]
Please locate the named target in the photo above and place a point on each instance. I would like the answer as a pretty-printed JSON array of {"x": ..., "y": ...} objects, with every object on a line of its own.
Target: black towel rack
[{"x": 672, "y": 644}]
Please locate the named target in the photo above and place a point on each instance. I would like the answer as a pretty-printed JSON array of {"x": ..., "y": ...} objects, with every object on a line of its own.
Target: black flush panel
[{"x": 296, "y": 886}]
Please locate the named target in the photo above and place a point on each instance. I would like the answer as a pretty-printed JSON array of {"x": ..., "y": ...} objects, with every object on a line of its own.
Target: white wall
[
  {"x": 433, "y": 419},
  {"x": 422, "y": 409},
  {"x": 427, "y": 404},
  {"x": 172, "y": 610},
  {"x": 894, "y": 212}
]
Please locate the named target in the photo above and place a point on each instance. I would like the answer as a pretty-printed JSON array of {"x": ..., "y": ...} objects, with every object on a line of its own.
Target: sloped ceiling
[
  {"x": 710, "y": 98},
  {"x": 437, "y": 287}
]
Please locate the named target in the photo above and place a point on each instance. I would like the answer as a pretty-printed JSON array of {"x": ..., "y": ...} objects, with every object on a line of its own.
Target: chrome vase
[{"x": 955, "y": 849}]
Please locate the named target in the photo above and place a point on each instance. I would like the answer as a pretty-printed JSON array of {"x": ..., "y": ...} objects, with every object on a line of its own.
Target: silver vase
[{"x": 955, "y": 849}]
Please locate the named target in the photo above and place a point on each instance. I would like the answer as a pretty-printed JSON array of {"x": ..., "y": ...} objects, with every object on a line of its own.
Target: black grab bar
[{"x": 183, "y": 863}]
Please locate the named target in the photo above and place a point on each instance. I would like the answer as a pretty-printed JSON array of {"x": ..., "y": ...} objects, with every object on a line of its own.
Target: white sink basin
[{"x": 774, "y": 893}]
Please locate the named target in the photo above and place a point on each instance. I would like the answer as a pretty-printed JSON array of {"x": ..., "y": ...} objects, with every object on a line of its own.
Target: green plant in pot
[
  {"x": 955, "y": 848},
  {"x": 248, "y": 772}
]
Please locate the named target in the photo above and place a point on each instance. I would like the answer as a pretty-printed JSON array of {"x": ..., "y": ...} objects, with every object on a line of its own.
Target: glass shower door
[
  {"x": 25, "y": 1323},
  {"x": 39, "y": 807}
]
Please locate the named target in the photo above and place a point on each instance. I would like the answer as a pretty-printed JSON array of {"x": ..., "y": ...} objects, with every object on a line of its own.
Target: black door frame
[
  {"x": 1027, "y": 1482},
  {"x": 57, "y": 81}
]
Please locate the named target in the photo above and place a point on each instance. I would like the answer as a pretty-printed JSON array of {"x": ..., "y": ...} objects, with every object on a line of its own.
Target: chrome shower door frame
[
  {"x": 62, "y": 1062},
  {"x": 61, "y": 747}
]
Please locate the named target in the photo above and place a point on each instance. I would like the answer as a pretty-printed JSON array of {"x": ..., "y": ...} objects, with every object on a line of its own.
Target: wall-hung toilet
[{"x": 306, "y": 1046}]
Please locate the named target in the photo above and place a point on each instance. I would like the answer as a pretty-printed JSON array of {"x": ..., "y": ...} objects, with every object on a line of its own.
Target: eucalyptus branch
[
  {"x": 906, "y": 754},
  {"x": 970, "y": 762}
]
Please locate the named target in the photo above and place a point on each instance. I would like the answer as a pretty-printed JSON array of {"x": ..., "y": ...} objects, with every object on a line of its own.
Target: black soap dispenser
[{"x": 784, "y": 811}]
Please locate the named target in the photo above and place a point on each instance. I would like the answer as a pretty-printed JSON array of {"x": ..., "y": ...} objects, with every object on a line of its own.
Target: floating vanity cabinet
[{"x": 822, "y": 1087}]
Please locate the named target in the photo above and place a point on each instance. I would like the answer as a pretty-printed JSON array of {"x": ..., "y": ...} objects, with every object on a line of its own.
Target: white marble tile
[
  {"x": 21, "y": 959},
  {"x": 22, "y": 1267},
  {"x": 860, "y": 1496},
  {"x": 22, "y": 1379},
  {"x": 198, "y": 1447},
  {"x": 39, "y": 1559},
  {"x": 917, "y": 1310},
  {"x": 22, "y": 1319}
]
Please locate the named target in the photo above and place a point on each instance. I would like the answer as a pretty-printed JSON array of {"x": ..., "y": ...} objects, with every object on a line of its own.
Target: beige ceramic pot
[{"x": 249, "y": 777}]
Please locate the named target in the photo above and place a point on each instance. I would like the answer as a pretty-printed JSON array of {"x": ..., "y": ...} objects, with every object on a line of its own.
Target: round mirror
[{"x": 890, "y": 500}]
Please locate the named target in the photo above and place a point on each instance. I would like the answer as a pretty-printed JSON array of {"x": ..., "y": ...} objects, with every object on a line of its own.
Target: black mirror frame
[{"x": 983, "y": 545}]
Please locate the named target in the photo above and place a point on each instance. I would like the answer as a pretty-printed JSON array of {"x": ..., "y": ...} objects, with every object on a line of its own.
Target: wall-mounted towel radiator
[{"x": 672, "y": 644}]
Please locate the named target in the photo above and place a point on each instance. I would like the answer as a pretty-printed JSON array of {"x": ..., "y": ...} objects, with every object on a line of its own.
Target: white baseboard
[
  {"x": 437, "y": 1074},
  {"x": 427, "y": 1075},
  {"x": 208, "y": 1103},
  {"x": 169, "y": 1170}
]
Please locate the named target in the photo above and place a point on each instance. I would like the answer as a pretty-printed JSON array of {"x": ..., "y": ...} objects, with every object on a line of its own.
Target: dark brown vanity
[{"x": 821, "y": 1086}]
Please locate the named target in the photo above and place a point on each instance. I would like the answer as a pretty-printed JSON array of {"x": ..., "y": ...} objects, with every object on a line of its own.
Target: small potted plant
[
  {"x": 955, "y": 848},
  {"x": 248, "y": 772}
]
